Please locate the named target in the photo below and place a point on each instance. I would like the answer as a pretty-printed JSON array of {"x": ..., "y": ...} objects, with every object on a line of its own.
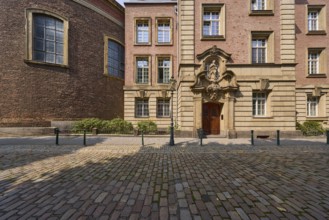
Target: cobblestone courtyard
[{"x": 122, "y": 180}]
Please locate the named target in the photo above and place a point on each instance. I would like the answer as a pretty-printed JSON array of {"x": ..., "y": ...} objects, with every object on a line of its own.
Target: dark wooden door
[{"x": 211, "y": 118}]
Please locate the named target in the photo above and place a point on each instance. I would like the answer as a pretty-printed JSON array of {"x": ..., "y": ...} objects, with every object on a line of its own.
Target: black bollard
[
  {"x": 84, "y": 138},
  {"x": 327, "y": 136},
  {"x": 142, "y": 138},
  {"x": 278, "y": 137},
  {"x": 252, "y": 137},
  {"x": 57, "y": 135}
]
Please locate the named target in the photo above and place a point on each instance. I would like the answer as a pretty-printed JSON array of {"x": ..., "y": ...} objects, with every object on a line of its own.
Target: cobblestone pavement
[{"x": 116, "y": 178}]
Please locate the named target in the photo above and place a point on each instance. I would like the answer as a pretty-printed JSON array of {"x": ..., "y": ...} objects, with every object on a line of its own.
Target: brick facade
[{"x": 36, "y": 94}]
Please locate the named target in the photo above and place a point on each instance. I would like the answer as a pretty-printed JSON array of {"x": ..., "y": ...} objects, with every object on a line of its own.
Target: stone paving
[{"x": 116, "y": 178}]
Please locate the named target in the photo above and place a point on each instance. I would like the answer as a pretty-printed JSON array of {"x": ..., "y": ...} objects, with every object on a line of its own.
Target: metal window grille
[
  {"x": 211, "y": 22},
  {"x": 313, "y": 62},
  {"x": 259, "y": 104},
  {"x": 163, "y": 70},
  {"x": 142, "y": 31},
  {"x": 142, "y": 70},
  {"x": 164, "y": 31},
  {"x": 163, "y": 108},
  {"x": 312, "y": 106},
  {"x": 115, "y": 59},
  {"x": 259, "y": 51},
  {"x": 48, "y": 39},
  {"x": 142, "y": 108}
]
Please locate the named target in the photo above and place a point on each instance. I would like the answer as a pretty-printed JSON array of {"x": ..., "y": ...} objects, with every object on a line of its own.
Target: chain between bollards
[
  {"x": 252, "y": 137},
  {"x": 84, "y": 138}
]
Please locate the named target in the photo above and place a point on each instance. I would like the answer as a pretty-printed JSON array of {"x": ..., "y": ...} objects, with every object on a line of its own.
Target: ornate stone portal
[{"x": 215, "y": 84}]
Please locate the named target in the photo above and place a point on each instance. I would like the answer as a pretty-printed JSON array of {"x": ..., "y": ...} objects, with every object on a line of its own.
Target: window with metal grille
[
  {"x": 257, "y": 5},
  {"x": 115, "y": 59},
  {"x": 48, "y": 39},
  {"x": 313, "y": 20},
  {"x": 142, "y": 66},
  {"x": 313, "y": 62}
]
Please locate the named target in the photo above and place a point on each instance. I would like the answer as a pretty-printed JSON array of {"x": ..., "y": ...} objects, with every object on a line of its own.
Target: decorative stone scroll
[{"x": 213, "y": 80}]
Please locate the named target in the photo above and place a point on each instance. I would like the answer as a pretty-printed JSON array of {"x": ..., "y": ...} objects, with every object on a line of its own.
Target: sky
[{"x": 120, "y": 1}]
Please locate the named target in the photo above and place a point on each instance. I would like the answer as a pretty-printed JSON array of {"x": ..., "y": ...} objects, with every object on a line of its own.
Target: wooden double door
[{"x": 211, "y": 118}]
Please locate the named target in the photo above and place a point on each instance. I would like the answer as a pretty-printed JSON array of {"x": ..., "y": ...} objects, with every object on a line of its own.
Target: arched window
[
  {"x": 47, "y": 38},
  {"x": 115, "y": 58}
]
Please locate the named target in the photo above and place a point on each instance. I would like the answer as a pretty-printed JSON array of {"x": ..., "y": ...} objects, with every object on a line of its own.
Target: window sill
[
  {"x": 261, "y": 13},
  {"x": 46, "y": 64},
  {"x": 164, "y": 44},
  {"x": 214, "y": 37},
  {"x": 163, "y": 117},
  {"x": 142, "y": 116},
  {"x": 262, "y": 117},
  {"x": 318, "y": 75},
  {"x": 320, "y": 32},
  {"x": 262, "y": 64},
  {"x": 142, "y": 44},
  {"x": 316, "y": 118}
]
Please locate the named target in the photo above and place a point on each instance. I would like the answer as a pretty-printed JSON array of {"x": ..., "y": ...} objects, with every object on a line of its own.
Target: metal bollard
[
  {"x": 327, "y": 136},
  {"x": 252, "y": 137},
  {"x": 278, "y": 137},
  {"x": 84, "y": 138},
  {"x": 200, "y": 134},
  {"x": 142, "y": 138},
  {"x": 57, "y": 135}
]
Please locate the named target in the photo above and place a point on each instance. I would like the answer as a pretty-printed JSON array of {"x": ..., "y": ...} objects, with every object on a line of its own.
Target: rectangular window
[
  {"x": 142, "y": 108},
  {"x": 257, "y": 5},
  {"x": 163, "y": 108},
  {"x": 115, "y": 59},
  {"x": 259, "y": 47},
  {"x": 316, "y": 19},
  {"x": 312, "y": 106},
  {"x": 48, "y": 39},
  {"x": 213, "y": 22},
  {"x": 259, "y": 104},
  {"x": 313, "y": 20},
  {"x": 142, "y": 69},
  {"x": 143, "y": 31},
  {"x": 164, "y": 31},
  {"x": 164, "y": 65},
  {"x": 313, "y": 62}
]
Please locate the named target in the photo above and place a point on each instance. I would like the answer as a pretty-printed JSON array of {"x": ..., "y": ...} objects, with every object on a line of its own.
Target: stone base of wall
[{"x": 26, "y": 131}]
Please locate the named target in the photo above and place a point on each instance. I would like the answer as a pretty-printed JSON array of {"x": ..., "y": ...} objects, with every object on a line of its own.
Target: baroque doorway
[{"x": 211, "y": 118}]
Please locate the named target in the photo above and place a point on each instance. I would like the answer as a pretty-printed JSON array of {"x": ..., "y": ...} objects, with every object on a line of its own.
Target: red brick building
[{"x": 61, "y": 60}]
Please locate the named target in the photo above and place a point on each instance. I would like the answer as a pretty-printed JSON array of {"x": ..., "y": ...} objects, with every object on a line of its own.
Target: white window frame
[
  {"x": 142, "y": 71},
  {"x": 142, "y": 109},
  {"x": 313, "y": 62},
  {"x": 164, "y": 31},
  {"x": 258, "y": 5},
  {"x": 259, "y": 99},
  {"x": 143, "y": 27},
  {"x": 312, "y": 106},
  {"x": 259, "y": 46},
  {"x": 313, "y": 20},
  {"x": 163, "y": 108},
  {"x": 211, "y": 21}
]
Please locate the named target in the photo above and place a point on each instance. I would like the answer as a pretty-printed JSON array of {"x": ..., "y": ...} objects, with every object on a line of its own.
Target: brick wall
[{"x": 33, "y": 94}]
